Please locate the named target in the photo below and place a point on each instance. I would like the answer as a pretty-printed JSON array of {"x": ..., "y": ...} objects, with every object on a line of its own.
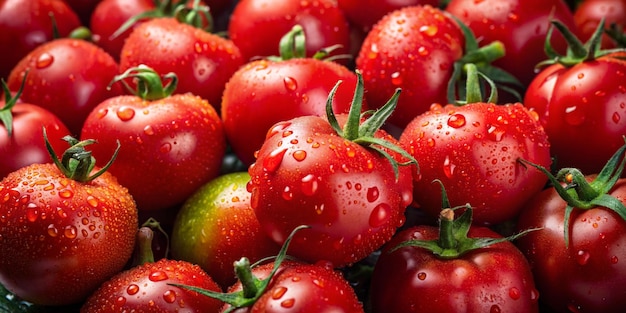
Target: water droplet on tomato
[
  {"x": 448, "y": 167},
  {"x": 396, "y": 79},
  {"x": 70, "y": 232},
  {"x": 288, "y": 303},
  {"x": 169, "y": 296},
  {"x": 616, "y": 118},
  {"x": 574, "y": 116},
  {"x": 582, "y": 257},
  {"x": 514, "y": 293},
  {"x": 534, "y": 294},
  {"x": 279, "y": 292},
  {"x": 429, "y": 30},
  {"x": 421, "y": 276},
  {"x": 299, "y": 155},
  {"x": 318, "y": 283},
  {"x": 166, "y": 147},
  {"x": 92, "y": 201},
  {"x": 494, "y": 309},
  {"x": 125, "y": 113},
  {"x": 44, "y": 60},
  {"x": 422, "y": 51},
  {"x": 380, "y": 215},
  {"x": 373, "y": 52},
  {"x": 495, "y": 133},
  {"x": 101, "y": 113},
  {"x": 273, "y": 160},
  {"x": 158, "y": 276},
  {"x": 319, "y": 209},
  {"x": 456, "y": 120},
  {"x": 372, "y": 194},
  {"x": 573, "y": 308},
  {"x": 148, "y": 130},
  {"x": 52, "y": 231},
  {"x": 132, "y": 289},
  {"x": 614, "y": 259},
  {"x": 32, "y": 212},
  {"x": 287, "y": 193},
  {"x": 120, "y": 301},
  {"x": 66, "y": 193},
  {"x": 290, "y": 83}
]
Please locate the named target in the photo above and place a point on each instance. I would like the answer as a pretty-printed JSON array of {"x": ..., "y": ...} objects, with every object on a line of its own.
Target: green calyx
[
  {"x": 149, "y": 83},
  {"x": 362, "y": 133},
  {"x": 198, "y": 15},
  {"x": 577, "y": 52},
  {"x": 574, "y": 188},
  {"x": 6, "y": 115},
  {"x": 453, "y": 241},
  {"x": 252, "y": 287},
  {"x": 77, "y": 163},
  {"x": 480, "y": 58},
  {"x": 293, "y": 46}
]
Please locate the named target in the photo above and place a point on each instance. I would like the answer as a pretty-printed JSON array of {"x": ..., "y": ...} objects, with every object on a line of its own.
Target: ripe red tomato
[
  {"x": 310, "y": 172},
  {"x": 69, "y": 77},
  {"x": 577, "y": 256},
  {"x": 521, "y": 25},
  {"x": 473, "y": 150},
  {"x": 24, "y": 25},
  {"x": 217, "y": 226},
  {"x": 175, "y": 143},
  {"x": 413, "y": 48},
  {"x": 256, "y": 26},
  {"x": 202, "y": 61},
  {"x": 365, "y": 13},
  {"x": 493, "y": 278},
  {"x": 146, "y": 288},
  {"x": 63, "y": 232},
  {"x": 589, "y": 13}
]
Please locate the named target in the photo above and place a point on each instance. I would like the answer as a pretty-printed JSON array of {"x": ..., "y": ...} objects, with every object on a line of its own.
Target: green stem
[
  {"x": 247, "y": 279},
  {"x": 447, "y": 241}
]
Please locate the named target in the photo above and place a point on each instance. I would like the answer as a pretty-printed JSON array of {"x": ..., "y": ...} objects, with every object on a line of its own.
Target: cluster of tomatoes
[{"x": 312, "y": 156}]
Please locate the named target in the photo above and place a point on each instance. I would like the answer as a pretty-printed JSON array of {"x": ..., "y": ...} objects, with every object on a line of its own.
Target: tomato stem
[
  {"x": 6, "y": 115},
  {"x": 145, "y": 235},
  {"x": 446, "y": 229},
  {"x": 149, "y": 83}
]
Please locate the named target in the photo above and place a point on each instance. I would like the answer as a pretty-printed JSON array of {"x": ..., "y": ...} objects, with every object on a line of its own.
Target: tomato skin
[
  {"x": 365, "y": 13},
  {"x": 420, "y": 62},
  {"x": 175, "y": 144},
  {"x": 216, "y": 226},
  {"x": 69, "y": 77},
  {"x": 589, "y": 13},
  {"x": 304, "y": 288},
  {"x": 24, "y": 25},
  {"x": 26, "y": 145},
  {"x": 584, "y": 276},
  {"x": 202, "y": 61},
  {"x": 256, "y": 26},
  {"x": 496, "y": 278},
  {"x": 305, "y": 174},
  {"x": 145, "y": 288},
  {"x": 521, "y": 25},
  {"x": 473, "y": 150},
  {"x": 582, "y": 110},
  {"x": 61, "y": 238},
  {"x": 263, "y": 93}
]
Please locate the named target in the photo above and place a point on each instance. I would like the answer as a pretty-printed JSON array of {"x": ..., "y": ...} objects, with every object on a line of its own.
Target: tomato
[
  {"x": 459, "y": 275},
  {"x": 521, "y": 25},
  {"x": 256, "y": 26},
  {"x": 21, "y": 133},
  {"x": 216, "y": 226},
  {"x": 365, "y": 13},
  {"x": 174, "y": 142},
  {"x": 577, "y": 256},
  {"x": 24, "y": 25},
  {"x": 413, "y": 48},
  {"x": 310, "y": 171},
  {"x": 64, "y": 229},
  {"x": 68, "y": 77},
  {"x": 589, "y": 13},
  {"x": 83, "y": 8},
  {"x": 473, "y": 149},
  {"x": 264, "y": 92},
  {"x": 202, "y": 61},
  {"x": 580, "y": 101}
]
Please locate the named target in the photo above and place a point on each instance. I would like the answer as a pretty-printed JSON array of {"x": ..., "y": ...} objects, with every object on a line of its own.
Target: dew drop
[
  {"x": 290, "y": 83},
  {"x": 102, "y": 113},
  {"x": 582, "y": 257},
  {"x": 32, "y": 212},
  {"x": 514, "y": 293},
  {"x": 132, "y": 289},
  {"x": 495, "y": 309},
  {"x": 372, "y": 194},
  {"x": 44, "y": 60},
  {"x": 574, "y": 116},
  {"x": 288, "y": 303},
  {"x": 70, "y": 232},
  {"x": 318, "y": 283},
  {"x": 429, "y": 30},
  {"x": 430, "y": 142},
  {"x": 616, "y": 118},
  {"x": 614, "y": 259},
  {"x": 448, "y": 167},
  {"x": 495, "y": 133},
  {"x": 421, "y": 276},
  {"x": 422, "y": 51},
  {"x": 66, "y": 193},
  {"x": 534, "y": 294},
  {"x": 197, "y": 46},
  {"x": 396, "y": 78},
  {"x": 158, "y": 276},
  {"x": 169, "y": 296},
  {"x": 120, "y": 301},
  {"x": 273, "y": 160},
  {"x": 148, "y": 130},
  {"x": 125, "y": 113},
  {"x": 52, "y": 231},
  {"x": 373, "y": 52},
  {"x": 380, "y": 215},
  {"x": 165, "y": 148},
  {"x": 456, "y": 120},
  {"x": 279, "y": 292},
  {"x": 299, "y": 155},
  {"x": 92, "y": 201}
]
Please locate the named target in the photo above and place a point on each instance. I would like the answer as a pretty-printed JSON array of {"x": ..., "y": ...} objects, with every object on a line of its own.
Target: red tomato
[
  {"x": 63, "y": 232},
  {"x": 589, "y": 13},
  {"x": 202, "y": 61},
  {"x": 521, "y": 25},
  {"x": 495, "y": 278},
  {"x": 146, "y": 288},
  {"x": 24, "y": 25},
  {"x": 69, "y": 77},
  {"x": 256, "y": 26},
  {"x": 413, "y": 48},
  {"x": 365, "y": 13},
  {"x": 175, "y": 143}
]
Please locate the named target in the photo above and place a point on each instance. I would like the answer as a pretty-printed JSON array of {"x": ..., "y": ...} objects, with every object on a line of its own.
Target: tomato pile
[{"x": 313, "y": 156}]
